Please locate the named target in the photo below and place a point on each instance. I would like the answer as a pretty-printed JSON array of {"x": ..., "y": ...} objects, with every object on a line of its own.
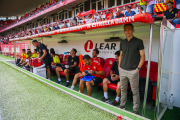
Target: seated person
[
  {"x": 112, "y": 78},
  {"x": 107, "y": 17},
  {"x": 140, "y": 10},
  {"x": 79, "y": 74},
  {"x": 23, "y": 57},
  {"x": 27, "y": 64},
  {"x": 112, "y": 16},
  {"x": 56, "y": 60},
  {"x": 88, "y": 19},
  {"x": 129, "y": 12},
  {"x": 35, "y": 55},
  {"x": 171, "y": 14},
  {"x": 70, "y": 68},
  {"x": 95, "y": 69},
  {"x": 27, "y": 58}
]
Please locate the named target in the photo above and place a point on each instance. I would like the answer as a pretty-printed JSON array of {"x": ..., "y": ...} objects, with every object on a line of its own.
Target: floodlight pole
[{"x": 148, "y": 70}]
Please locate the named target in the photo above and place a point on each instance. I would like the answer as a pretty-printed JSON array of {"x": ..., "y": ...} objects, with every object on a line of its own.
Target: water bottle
[
  {"x": 171, "y": 102},
  {"x": 164, "y": 100}
]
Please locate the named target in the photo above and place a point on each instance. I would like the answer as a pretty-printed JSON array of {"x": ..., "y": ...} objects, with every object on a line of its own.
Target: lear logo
[{"x": 88, "y": 46}]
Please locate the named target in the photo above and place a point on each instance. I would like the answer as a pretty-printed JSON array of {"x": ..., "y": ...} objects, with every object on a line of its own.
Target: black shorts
[
  {"x": 97, "y": 80},
  {"x": 71, "y": 70},
  {"x": 47, "y": 64},
  {"x": 114, "y": 82}
]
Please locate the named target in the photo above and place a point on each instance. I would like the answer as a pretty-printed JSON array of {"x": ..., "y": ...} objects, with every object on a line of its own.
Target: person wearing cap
[{"x": 43, "y": 55}]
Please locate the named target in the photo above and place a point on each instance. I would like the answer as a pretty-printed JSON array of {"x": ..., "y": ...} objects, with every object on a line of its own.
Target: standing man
[
  {"x": 131, "y": 59},
  {"x": 43, "y": 55}
]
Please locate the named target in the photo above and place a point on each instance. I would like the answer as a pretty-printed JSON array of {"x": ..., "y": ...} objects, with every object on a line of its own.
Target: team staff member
[
  {"x": 95, "y": 69},
  {"x": 35, "y": 55},
  {"x": 43, "y": 55},
  {"x": 113, "y": 78},
  {"x": 131, "y": 59},
  {"x": 78, "y": 74},
  {"x": 70, "y": 68}
]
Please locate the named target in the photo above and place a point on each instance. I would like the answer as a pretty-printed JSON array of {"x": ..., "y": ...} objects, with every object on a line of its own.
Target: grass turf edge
[{"x": 85, "y": 98}]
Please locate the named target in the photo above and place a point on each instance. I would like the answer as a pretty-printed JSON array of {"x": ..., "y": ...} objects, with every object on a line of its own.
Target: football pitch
[
  {"x": 25, "y": 98},
  {"x": 25, "y": 95}
]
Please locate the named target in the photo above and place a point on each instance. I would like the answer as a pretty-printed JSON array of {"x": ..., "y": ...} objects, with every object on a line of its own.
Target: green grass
[
  {"x": 2, "y": 57},
  {"x": 23, "y": 97},
  {"x": 169, "y": 114}
]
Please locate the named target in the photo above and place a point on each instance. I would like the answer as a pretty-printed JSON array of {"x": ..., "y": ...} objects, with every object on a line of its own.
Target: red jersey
[
  {"x": 98, "y": 60},
  {"x": 95, "y": 67},
  {"x": 108, "y": 16}
]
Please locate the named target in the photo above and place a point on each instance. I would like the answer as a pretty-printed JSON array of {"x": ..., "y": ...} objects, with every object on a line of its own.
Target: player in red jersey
[
  {"x": 78, "y": 74},
  {"x": 93, "y": 68}
]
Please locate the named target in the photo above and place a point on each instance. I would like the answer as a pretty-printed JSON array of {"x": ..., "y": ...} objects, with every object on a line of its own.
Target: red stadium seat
[
  {"x": 107, "y": 66},
  {"x": 178, "y": 14},
  {"x": 178, "y": 26},
  {"x": 102, "y": 61},
  {"x": 61, "y": 57},
  {"x": 66, "y": 62},
  {"x": 152, "y": 79},
  {"x": 153, "y": 71}
]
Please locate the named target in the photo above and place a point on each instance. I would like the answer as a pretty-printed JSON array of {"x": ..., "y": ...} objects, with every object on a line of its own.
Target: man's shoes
[
  {"x": 122, "y": 107},
  {"x": 19, "y": 64},
  {"x": 105, "y": 100},
  {"x": 113, "y": 103},
  {"x": 67, "y": 84},
  {"x": 135, "y": 112},
  {"x": 59, "y": 82}
]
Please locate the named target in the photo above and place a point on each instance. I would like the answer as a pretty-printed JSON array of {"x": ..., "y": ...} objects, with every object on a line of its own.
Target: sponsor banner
[
  {"x": 105, "y": 48},
  {"x": 144, "y": 18},
  {"x": 10, "y": 47},
  {"x": 40, "y": 13}
]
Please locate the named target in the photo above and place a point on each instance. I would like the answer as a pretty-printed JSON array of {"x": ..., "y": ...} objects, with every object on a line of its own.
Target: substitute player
[
  {"x": 113, "y": 78},
  {"x": 95, "y": 69},
  {"x": 79, "y": 74}
]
